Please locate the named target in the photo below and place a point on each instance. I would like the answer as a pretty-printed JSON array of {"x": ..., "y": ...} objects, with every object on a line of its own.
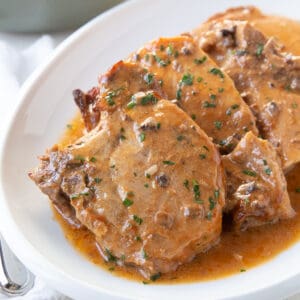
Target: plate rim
[{"x": 26, "y": 90}]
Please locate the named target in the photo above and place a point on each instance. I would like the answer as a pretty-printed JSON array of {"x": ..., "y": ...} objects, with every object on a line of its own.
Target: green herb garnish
[
  {"x": 137, "y": 219},
  {"x": 127, "y": 202},
  {"x": 217, "y": 72},
  {"x": 250, "y": 173}
]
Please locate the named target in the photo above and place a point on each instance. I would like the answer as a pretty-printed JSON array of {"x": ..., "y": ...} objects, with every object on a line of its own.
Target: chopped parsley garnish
[
  {"x": 268, "y": 171},
  {"x": 145, "y": 282},
  {"x": 146, "y": 185},
  {"x": 109, "y": 255},
  {"x": 154, "y": 277},
  {"x": 168, "y": 162},
  {"x": 297, "y": 190},
  {"x": 97, "y": 180},
  {"x": 160, "y": 82},
  {"x": 205, "y": 148},
  {"x": 207, "y": 104},
  {"x": 212, "y": 203},
  {"x": 242, "y": 270},
  {"x": 69, "y": 126},
  {"x": 162, "y": 63},
  {"x": 161, "y": 47},
  {"x": 234, "y": 106},
  {"x": 127, "y": 202},
  {"x": 202, "y": 156},
  {"x": 217, "y": 72},
  {"x": 193, "y": 116},
  {"x": 259, "y": 50},
  {"x": 111, "y": 269},
  {"x": 178, "y": 94},
  {"x": 212, "y": 96},
  {"x": 187, "y": 79},
  {"x": 201, "y": 60},
  {"x": 138, "y": 238},
  {"x": 250, "y": 173},
  {"x": 199, "y": 79},
  {"x": 132, "y": 103},
  {"x": 137, "y": 219},
  {"x": 93, "y": 159},
  {"x": 149, "y": 98},
  {"x": 220, "y": 90},
  {"x": 196, "y": 190},
  {"x": 144, "y": 254},
  {"x": 142, "y": 136},
  {"x": 186, "y": 184},
  {"x": 149, "y": 78},
  {"x": 294, "y": 105},
  {"x": 218, "y": 124},
  {"x": 158, "y": 125},
  {"x": 148, "y": 175},
  {"x": 110, "y": 95},
  {"x": 180, "y": 138}
]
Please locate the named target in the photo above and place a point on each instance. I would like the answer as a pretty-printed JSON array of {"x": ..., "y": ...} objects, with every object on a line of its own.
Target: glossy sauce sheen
[{"x": 236, "y": 252}]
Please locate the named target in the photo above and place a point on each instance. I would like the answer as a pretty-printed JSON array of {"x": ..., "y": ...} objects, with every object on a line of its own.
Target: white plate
[{"x": 47, "y": 105}]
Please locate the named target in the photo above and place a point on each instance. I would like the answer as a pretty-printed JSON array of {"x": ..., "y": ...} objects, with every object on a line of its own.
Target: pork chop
[
  {"x": 147, "y": 181},
  {"x": 268, "y": 80},
  {"x": 204, "y": 92},
  {"x": 256, "y": 186}
]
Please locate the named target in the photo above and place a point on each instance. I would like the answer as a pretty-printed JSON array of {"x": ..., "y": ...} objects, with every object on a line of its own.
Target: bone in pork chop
[
  {"x": 147, "y": 181},
  {"x": 201, "y": 89},
  {"x": 256, "y": 187},
  {"x": 267, "y": 79}
]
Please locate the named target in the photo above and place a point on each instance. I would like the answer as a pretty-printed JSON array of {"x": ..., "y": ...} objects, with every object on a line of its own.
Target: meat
[
  {"x": 121, "y": 81},
  {"x": 147, "y": 181},
  {"x": 208, "y": 95},
  {"x": 277, "y": 27},
  {"x": 267, "y": 78},
  {"x": 256, "y": 187}
]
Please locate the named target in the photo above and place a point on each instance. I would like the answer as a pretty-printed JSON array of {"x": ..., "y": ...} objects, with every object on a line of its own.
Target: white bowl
[{"x": 46, "y": 107}]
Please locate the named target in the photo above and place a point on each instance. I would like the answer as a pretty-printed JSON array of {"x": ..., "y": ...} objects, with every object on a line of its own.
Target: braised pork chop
[
  {"x": 208, "y": 95},
  {"x": 256, "y": 187},
  {"x": 267, "y": 79},
  {"x": 147, "y": 181}
]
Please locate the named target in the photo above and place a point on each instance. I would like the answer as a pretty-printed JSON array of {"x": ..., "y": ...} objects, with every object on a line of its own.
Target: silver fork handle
[{"x": 15, "y": 279}]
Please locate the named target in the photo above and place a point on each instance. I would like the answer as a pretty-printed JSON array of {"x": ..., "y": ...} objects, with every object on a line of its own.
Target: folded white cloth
[{"x": 16, "y": 64}]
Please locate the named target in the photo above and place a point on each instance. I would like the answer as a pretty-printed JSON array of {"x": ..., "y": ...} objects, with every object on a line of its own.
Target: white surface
[{"x": 45, "y": 109}]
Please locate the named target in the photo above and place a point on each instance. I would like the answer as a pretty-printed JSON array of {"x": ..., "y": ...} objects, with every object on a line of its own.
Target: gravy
[{"x": 236, "y": 252}]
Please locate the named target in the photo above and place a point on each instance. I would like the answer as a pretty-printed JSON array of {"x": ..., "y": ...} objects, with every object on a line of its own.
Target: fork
[{"x": 23, "y": 279}]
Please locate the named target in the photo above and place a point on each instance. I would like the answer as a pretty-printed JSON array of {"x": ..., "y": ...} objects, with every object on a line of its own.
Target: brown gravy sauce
[{"x": 236, "y": 252}]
